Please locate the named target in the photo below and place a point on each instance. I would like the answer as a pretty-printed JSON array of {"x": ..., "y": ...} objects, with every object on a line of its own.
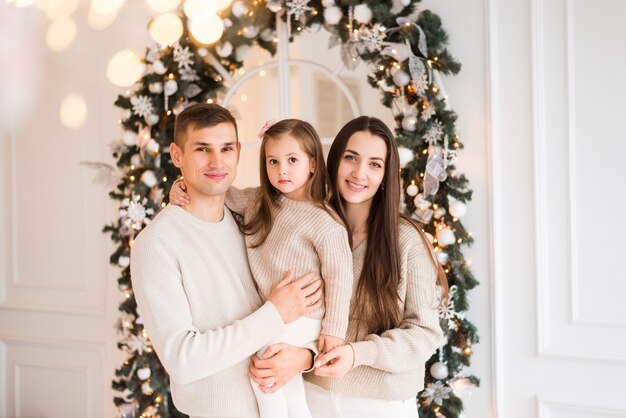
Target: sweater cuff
[
  {"x": 273, "y": 324},
  {"x": 365, "y": 353}
]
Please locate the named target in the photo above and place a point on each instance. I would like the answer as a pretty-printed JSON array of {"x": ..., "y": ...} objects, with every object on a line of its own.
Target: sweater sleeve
[
  {"x": 336, "y": 270},
  {"x": 419, "y": 335},
  {"x": 187, "y": 353},
  {"x": 237, "y": 200}
]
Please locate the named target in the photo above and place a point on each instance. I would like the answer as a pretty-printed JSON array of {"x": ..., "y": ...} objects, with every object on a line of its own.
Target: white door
[{"x": 557, "y": 82}]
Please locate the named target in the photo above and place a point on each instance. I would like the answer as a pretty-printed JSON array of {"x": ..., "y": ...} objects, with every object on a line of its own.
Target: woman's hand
[
  {"x": 336, "y": 363},
  {"x": 278, "y": 365},
  {"x": 328, "y": 342},
  {"x": 178, "y": 196}
]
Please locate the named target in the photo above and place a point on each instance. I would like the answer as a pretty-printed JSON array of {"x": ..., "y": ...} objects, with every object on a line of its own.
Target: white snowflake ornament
[
  {"x": 434, "y": 134},
  {"x": 133, "y": 212},
  {"x": 436, "y": 392},
  {"x": 298, "y": 8},
  {"x": 373, "y": 38},
  {"x": 142, "y": 105},
  {"x": 183, "y": 57}
]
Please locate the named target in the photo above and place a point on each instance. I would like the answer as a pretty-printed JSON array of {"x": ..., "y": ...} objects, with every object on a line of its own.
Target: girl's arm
[
  {"x": 336, "y": 269},
  {"x": 414, "y": 341},
  {"x": 237, "y": 200}
]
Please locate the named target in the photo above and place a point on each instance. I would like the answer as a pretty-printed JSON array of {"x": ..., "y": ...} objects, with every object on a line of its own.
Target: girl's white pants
[
  {"x": 290, "y": 400},
  {"x": 325, "y": 404}
]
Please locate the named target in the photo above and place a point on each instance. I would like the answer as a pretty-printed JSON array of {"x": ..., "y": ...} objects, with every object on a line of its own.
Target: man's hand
[
  {"x": 336, "y": 363},
  {"x": 278, "y": 365},
  {"x": 294, "y": 299},
  {"x": 328, "y": 342}
]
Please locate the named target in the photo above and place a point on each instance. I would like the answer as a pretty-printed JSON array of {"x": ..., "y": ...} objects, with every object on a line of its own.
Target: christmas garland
[{"x": 406, "y": 51}]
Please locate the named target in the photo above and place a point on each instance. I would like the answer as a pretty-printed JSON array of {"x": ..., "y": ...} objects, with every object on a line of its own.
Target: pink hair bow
[{"x": 265, "y": 127}]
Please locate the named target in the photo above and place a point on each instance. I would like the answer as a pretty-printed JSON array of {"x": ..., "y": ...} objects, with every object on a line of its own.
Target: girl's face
[
  {"x": 362, "y": 168},
  {"x": 289, "y": 168}
]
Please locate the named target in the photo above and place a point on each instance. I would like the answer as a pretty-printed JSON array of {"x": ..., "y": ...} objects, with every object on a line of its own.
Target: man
[{"x": 193, "y": 284}]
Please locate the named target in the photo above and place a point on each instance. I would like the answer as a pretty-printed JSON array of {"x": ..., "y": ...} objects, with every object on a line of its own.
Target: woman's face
[{"x": 361, "y": 168}]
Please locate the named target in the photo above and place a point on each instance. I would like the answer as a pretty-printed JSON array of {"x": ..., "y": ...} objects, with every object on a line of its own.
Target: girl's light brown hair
[
  {"x": 377, "y": 288},
  {"x": 261, "y": 223}
]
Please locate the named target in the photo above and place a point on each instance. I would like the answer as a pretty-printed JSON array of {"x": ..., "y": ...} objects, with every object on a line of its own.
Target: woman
[{"x": 394, "y": 326}]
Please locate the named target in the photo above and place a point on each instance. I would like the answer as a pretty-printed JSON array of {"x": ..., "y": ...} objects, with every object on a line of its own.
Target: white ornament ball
[
  {"x": 149, "y": 178},
  {"x": 439, "y": 213},
  {"x": 409, "y": 123},
  {"x": 123, "y": 261},
  {"x": 401, "y": 78},
  {"x": 227, "y": 23},
  {"x": 406, "y": 156},
  {"x": 156, "y": 88},
  {"x": 203, "y": 52},
  {"x": 153, "y": 147},
  {"x": 328, "y": 3},
  {"x": 362, "y": 14},
  {"x": 412, "y": 190},
  {"x": 332, "y": 15},
  {"x": 420, "y": 202},
  {"x": 136, "y": 160},
  {"x": 443, "y": 257},
  {"x": 242, "y": 52},
  {"x": 274, "y": 5},
  {"x": 144, "y": 373},
  {"x": 224, "y": 49},
  {"x": 457, "y": 209},
  {"x": 129, "y": 138},
  {"x": 446, "y": 237},
  {"x": 239, "y": 9},
  {"x": 159, "y": 67},
  {"x": 250, "y": 31},
  {"x": 439, "y": 370},
  {"x": 171, "y": 86},
  {"x": 151, "y": 119},
  {"x": 405, "y": 2}
]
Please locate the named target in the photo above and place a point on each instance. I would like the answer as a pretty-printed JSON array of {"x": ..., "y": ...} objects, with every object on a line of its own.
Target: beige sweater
[
  {"x": 305, "y": 238},
  {"x": 201, "y": 310},
  {"x": 390, "y": 366}
]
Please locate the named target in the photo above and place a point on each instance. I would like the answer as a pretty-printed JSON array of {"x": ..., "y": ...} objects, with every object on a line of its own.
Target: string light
[{"x": 467, "y": 350}]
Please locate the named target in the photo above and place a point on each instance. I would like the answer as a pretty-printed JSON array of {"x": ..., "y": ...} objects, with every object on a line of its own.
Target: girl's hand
[
  {"x": 327, "y": 343},
  {"x": 178, "y": 196},
  {"x": 336, "y": 363}
]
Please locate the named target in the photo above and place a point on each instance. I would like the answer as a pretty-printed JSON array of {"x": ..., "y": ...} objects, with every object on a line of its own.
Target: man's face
[{"x": 208, "y": 159}]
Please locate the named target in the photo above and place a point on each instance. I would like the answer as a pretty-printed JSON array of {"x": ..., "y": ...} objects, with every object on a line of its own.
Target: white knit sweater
[
  {"x": 390, "y": 366},
  {"x": 200, "y": 308}
]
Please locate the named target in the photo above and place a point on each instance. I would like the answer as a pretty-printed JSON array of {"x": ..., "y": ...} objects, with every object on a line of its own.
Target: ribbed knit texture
[
  {"x": 201, "y": 310},
  {"x": 390, "y": 366},
  {"x": 304, "y": 238}
]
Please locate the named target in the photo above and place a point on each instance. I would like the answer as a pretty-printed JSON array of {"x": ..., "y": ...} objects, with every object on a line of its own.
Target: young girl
[{"x": 287, "y": 225}]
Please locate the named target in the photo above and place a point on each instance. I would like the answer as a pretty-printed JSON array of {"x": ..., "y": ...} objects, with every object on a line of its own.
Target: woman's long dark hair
[{"x": 377, "y": 288}]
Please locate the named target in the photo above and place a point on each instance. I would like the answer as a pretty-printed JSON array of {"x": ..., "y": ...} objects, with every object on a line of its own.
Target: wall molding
[{"x": 546, "y": 407}]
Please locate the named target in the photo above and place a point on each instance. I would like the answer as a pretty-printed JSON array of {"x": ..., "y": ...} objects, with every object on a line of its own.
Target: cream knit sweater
[
  {"x": 304, "y": 238},
  {"x": 201, "y": 310},
  {"x": 390, "y": 366}
]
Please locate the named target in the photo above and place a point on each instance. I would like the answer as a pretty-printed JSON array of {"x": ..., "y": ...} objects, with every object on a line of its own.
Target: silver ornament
[
  {"x": 239, "y": 9},
  {"x": 136, "y": 160},
  {"x": 443, "y": 257},
  {"x": 224, "y": 50},
  {"x": 159, "y": 67},
  {"x": 401, "y": 78},
  {"x": 156, "y": 88},
  {"x": 129, "y": 138},
  {"x": 412, "y": 190},
  {"x": 144, "y": 373},
  {"x": 439, "y": 370},
  {"x": 275, "y": 5},
  {"x": 409, "y": 123},
  {"x": 250, "y": 31},
  {"x": 405, "y": 155},
  {"x": 151, "y": 119},
  {"x": 446, "y": 237},
  {"x": 457, "y": 209},
  {"x": 171, "y": 86}
]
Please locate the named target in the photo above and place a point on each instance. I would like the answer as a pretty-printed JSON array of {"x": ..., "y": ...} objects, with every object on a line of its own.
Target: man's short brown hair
[{"x": 201, "y": 115}]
